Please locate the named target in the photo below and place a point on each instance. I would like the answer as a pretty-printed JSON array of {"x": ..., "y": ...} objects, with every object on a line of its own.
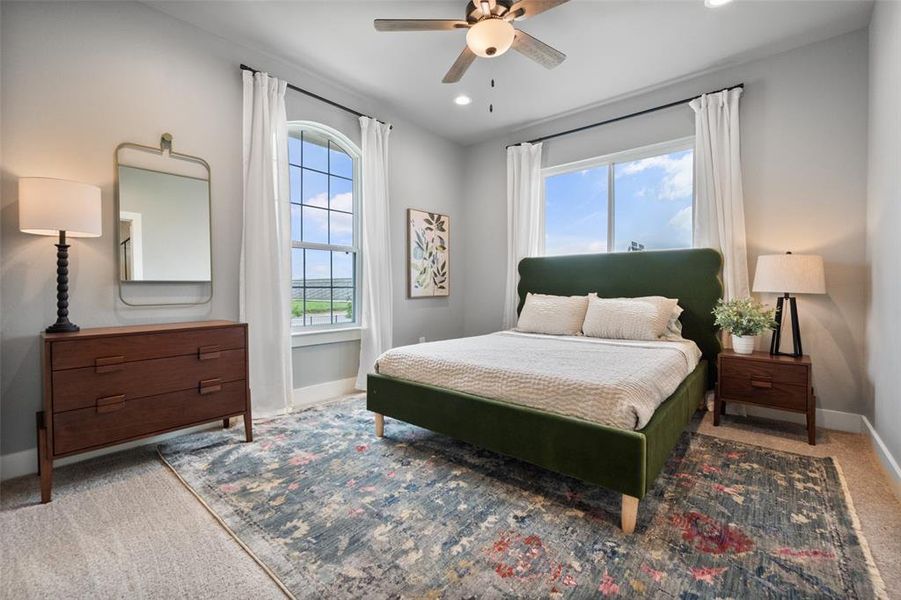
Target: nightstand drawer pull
[
  {"x": 109, "y": 364},
  {"x": 208, "y": 386},
  {"x": 110, "y": 403},
  {"x": 761, "y": 385}
]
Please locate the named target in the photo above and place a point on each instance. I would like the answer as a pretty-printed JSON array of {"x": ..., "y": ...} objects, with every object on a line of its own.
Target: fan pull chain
[{"x": 491, "y": 105}]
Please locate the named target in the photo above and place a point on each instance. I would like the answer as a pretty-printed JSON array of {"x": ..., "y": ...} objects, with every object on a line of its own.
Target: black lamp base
[
  {"x": 65, "y": 327},
  {"x": 62, "y": 325},
  {"x": 796, "y": 329}
]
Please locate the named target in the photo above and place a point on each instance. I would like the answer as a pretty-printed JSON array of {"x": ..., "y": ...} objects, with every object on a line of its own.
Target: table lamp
[
  {"x": 58, "y": 207},
  {"x": 786, "y": 274}
]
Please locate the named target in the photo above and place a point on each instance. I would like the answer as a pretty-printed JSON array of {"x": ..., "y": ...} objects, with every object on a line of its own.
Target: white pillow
[
  {"x": 674, "y": 327},
  {"x": 643, "y": 318},
  {"x": 553, "y": 315}
]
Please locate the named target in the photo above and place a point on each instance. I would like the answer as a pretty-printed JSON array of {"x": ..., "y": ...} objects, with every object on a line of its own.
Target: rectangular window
[
  {"x": 324, "y": 250},
  {"x": 635, "y": 200}
]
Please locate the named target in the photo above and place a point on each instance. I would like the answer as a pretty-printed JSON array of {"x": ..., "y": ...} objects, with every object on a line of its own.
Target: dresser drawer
[
  {"x": 206, "y": 342},
  {"x": 119, "y": 421},
  {"x": 763, "y": 392},
  {"x": 80, "y": 388}
]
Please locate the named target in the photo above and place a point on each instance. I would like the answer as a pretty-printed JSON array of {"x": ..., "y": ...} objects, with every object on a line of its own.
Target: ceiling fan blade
[
  {"x": 529, "y": 8},
  {"x": 537, "y": 50},
  {"x": 459, "y": 67},
  {"x": 419, "y": 24}
]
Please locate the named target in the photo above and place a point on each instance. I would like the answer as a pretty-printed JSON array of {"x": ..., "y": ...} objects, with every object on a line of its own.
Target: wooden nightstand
[{"x": 781, "y": 382}]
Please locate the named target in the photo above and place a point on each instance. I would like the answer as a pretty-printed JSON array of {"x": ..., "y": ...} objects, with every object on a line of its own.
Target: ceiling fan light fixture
[
  {"x": 716, "y": 3},
  {"x": 462, "y": 100},
  {"x": 490, "y": 37}
]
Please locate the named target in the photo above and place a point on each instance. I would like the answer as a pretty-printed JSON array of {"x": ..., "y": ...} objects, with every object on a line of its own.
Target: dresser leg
[
  {"x": 717, "y": 409},
  {"x": 226, "y": 423},
  {"x": 248, "y": 427},
  {"x": 45, "y": 463}
]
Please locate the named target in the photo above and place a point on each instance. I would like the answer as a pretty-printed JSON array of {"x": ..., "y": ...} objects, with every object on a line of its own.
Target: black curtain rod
[
  {"x": 291, "y": 86},
  {"x": 624, "y": 117}
]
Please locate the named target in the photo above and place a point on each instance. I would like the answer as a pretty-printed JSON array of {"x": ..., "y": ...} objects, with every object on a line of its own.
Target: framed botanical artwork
[{"x": 428, "y": 254}]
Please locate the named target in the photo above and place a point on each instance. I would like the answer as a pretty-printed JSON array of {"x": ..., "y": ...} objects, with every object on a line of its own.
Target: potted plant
[{"x": 745, "y": 319}]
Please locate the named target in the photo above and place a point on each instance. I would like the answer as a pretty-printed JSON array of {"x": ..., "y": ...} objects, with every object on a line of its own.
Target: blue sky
[{"x": 652, "y": 206}]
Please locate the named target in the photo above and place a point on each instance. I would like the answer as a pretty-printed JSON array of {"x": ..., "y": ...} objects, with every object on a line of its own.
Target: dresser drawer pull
[
  {"x": 209, "y": 352},
  {"x": 761, "y": 385},
  {"x": 208, "y": 386},
  {"x": 109, "y": 364},
  {"x": 110, "y": 403}
]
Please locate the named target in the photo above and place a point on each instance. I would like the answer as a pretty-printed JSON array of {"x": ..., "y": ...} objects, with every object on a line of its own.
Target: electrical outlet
[{"x": 421, "y": 340}]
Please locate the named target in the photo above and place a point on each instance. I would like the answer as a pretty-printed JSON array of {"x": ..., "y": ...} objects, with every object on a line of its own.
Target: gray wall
[
  {"x": 804, "y": 147},
  {"x": 884, "y": 224},
  {"x": 80, "y": 78}
]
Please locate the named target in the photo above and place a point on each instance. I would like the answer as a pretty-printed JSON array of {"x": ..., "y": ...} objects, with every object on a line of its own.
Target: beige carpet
[{"x": 123, "y": 526}]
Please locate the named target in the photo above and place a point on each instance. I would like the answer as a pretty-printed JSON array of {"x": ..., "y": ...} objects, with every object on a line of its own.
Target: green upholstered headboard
[{"x": 692, "y": 276}]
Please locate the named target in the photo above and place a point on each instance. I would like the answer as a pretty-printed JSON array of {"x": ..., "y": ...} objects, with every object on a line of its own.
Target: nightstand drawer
[
  {"x": 763, "y": 391},
  {"x": 767, "y": 371}
]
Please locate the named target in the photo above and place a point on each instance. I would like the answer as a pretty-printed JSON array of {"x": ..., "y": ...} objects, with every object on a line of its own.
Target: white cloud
[
  {"x": 318, "y": 219},
  {"x": 677, "y": 177},
  {"x": 320, "y": 199},
  {"x": 682, "y": 219},
  {"x": 343, "y": 201},
  {"x": 565, "y": 244}
]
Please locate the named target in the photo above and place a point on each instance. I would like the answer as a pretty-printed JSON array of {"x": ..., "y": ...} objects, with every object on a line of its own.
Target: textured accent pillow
[
  {"x": 644, "y": 318},
  {"x": 552, "y": 315}
]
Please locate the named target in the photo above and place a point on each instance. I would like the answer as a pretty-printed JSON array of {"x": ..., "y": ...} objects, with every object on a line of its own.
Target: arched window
[{"x": 324, "y": 170}]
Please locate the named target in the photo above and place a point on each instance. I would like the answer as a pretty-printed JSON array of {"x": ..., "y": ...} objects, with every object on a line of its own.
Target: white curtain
[
  {"x": 523, "y": 217},
  {"x": 719, "y": 220},
  {"x": 265, "y": 270},
  {"x": 377, "y": 320}
]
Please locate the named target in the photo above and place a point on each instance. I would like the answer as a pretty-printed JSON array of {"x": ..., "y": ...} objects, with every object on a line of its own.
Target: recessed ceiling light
[
  {"x": 715, "y": 3},
  {"x": 462, "y": 100}
]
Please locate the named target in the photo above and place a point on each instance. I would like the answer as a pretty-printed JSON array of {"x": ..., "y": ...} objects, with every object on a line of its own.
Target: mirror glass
[{"x": 164, "y": 226}]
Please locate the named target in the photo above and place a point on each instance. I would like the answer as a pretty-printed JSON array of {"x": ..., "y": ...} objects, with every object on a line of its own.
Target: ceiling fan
[{"x": 490, "y": 32}]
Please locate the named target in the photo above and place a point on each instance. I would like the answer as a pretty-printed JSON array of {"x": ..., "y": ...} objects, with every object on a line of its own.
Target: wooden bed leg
[
  {"x": 629, "y": 513},
  {"x": 379, "y": 425}
]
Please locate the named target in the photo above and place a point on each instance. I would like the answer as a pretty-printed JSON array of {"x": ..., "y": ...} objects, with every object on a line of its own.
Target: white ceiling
[{"x": 614, "y": 48}]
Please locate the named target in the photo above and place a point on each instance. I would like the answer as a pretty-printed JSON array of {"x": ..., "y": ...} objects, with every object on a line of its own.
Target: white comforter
[{"x": 617, "y": 383}]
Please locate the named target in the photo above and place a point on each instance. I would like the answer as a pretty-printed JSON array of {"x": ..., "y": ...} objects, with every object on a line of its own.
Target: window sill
[{"x": 301, "y": 339}]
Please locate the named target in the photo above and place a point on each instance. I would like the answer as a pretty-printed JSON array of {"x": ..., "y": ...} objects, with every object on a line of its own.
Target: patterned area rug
[{"x": 334, "y": 512}]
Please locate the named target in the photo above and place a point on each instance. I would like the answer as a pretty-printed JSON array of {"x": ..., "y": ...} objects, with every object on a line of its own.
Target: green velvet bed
[{"x": 621, "y": 460}]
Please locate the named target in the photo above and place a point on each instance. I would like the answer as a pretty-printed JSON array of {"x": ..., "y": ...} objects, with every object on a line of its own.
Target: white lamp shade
[
  {"x": 48, "y": 206},
  {"x": 490, "y": 37},
  {"x": 790, "y": 273}
]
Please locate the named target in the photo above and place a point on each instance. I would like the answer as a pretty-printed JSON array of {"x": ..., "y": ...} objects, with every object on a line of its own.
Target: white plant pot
[{"x": 743, "y": 344}]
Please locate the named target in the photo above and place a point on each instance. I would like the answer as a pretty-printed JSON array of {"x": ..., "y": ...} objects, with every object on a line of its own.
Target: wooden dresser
[
  {"x": 115, "y": 384},
  {"x": 781, "y": 382}
]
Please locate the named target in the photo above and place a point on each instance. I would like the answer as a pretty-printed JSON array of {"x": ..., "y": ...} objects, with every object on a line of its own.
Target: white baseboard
[
  {"x": 885, "y": 457},
  {"x": 827, "y": 419},
  {"x": 317, "y": 394},
  {"x": 25, "y": 461}
]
